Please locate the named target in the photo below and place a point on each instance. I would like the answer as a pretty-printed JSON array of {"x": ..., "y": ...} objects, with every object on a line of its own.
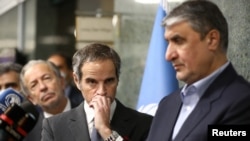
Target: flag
[{"x": 159, "y": 77}]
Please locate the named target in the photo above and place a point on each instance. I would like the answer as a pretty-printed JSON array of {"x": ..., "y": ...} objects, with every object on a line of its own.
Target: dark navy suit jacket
[
  {"x": 75, "y": 95},
  {"x": 226, "y": 101}
]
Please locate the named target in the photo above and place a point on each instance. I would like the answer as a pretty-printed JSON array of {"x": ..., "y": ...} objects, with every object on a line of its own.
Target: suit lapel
[
  {"x": 120, "y": 120},
  {"x": 168, "y": 119},
  {"x": 201, "y": 110},
  {"x": 165, "y": 117},
  {"x": 77, "y": 124},
  {"x": 203, "y": 107}
]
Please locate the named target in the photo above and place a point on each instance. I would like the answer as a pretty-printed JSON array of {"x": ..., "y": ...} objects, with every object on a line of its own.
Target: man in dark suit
[
  {"x": 64, "y": 63},
  {"x": 213, "y": 94},
  {"x": 96, "y": 73},
  {"x": 43, "y": 85}
]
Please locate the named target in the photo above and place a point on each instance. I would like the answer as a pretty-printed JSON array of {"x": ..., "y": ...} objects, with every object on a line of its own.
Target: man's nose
[
  {"x": 42, "y": 85},
  {"x": 170, "y": 53},
  {"x": 101, "y": 90}
]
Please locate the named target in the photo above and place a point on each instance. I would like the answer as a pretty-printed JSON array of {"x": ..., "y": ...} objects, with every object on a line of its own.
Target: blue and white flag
[{"x": 159, "y": 77}]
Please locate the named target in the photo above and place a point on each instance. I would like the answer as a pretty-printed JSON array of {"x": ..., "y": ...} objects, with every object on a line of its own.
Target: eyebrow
[{"x": 11, "y": 84}]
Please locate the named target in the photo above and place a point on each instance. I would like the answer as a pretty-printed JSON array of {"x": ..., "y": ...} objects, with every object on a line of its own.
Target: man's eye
[
  {"x": 178, "y": 40},
  {"x": 110, "y": 80},
  {"x": 47, "y": 77},
  {"x": 13, "y": 85},
  {"x": 33, "y": 85},
  {"x": 91, "y": 81}
]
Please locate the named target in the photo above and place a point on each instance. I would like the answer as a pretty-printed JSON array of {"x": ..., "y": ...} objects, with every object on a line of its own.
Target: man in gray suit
[
  {"x": 96, "y": 74},
  {"x": 213, "y": 94},
  {"x": 43, "y": 85}
]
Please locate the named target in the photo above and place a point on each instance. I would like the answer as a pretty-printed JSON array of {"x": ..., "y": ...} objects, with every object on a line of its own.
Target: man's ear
[
  {"x": 76, "y": 80},
  {"x": 213, "y": 39}
]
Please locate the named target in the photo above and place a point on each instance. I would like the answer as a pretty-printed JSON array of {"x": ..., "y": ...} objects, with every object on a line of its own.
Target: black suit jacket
[
  {"x": 226, "y": 101},
  {"x": 72, "y": 125},
  {"x": 35, "y": 133},
  {"x": 75, "y": 95}
]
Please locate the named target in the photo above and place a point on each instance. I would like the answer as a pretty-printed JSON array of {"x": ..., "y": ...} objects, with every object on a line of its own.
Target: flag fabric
[{"x": 159, "y": 77}]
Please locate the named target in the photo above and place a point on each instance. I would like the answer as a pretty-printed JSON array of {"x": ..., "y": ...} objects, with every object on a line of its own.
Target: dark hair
[
  {"x": 67, "y": 58},
  {"x": 93, "y": 52},
  {"x": 203, "y": 16},
  {"x": 20, "y": 57},
  {"x": 9, "y": 66}
]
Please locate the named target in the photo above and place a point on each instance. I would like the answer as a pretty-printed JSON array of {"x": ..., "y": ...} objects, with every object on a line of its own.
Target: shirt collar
[
  {"x": 204, "y": 83},
  {"x": 67, "y": 108}
]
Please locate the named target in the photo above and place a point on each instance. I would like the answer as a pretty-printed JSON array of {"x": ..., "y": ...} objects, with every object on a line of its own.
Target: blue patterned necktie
[{"x": 95, "y": 136}]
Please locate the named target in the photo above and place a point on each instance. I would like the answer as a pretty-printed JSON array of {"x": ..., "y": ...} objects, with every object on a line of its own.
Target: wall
[
  {"x": 132, "y": 42},
  {"x": 55, "y": 24},
  {"x": 237, "y": 14},
  {"x": 8, "y": 28}
]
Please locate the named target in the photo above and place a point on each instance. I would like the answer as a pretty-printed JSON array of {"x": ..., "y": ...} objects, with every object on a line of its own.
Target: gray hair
[
  {"x": 94, "y": 52},
  {"x": 203, "y": 16},
  {"x": 30, "y": 64}
]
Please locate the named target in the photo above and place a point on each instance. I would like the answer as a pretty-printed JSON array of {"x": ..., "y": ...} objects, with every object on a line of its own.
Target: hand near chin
[{"x": 101, "y": 106}]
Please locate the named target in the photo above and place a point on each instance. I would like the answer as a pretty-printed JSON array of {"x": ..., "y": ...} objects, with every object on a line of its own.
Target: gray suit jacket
[
  {"x": 226, "y": 101},
  {"x": 72, "y": 125},
  {"x": 35, "y": 133}
]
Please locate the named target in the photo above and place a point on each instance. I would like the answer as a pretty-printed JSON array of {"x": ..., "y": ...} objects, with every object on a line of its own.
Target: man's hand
[{"x": 101, "y": 106}]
